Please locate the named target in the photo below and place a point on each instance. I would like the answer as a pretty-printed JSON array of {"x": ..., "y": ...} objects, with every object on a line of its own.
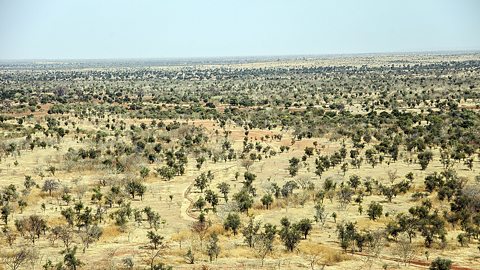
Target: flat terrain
[{"x": 110, "y": 157}]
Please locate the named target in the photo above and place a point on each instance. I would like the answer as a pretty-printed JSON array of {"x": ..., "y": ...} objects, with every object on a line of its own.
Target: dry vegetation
[{"x": 368, "y": 162}]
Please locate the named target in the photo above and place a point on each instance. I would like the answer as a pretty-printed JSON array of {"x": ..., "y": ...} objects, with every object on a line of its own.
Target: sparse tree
[
  {"x": 155, "y": 239},
  {"x": 304, "y": 226},
  {"x": 289, "y": 234},
  {"x": 70, "y": 259},
  {"x": 50, "y": 185},
  {"x": 224, "y": 188},
  {"x": 264, "y": 242},
  {"x": 250, "y": 232},
  {"x": 213, "y": 249},
  {"x": 374, "y": 210},
  {"x": 232, "y": 222}
]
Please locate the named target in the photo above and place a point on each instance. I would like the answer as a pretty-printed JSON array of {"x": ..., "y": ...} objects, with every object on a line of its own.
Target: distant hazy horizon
[
  {"x": 187, "y": 29},
  {"x": 245, "y": 57}
]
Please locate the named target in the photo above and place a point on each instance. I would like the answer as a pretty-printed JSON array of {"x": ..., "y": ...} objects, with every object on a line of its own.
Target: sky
[{"x": 107, "y": 29}]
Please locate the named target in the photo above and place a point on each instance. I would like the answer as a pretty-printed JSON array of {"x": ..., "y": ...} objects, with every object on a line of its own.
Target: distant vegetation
[{"x": 326, "y": 162}]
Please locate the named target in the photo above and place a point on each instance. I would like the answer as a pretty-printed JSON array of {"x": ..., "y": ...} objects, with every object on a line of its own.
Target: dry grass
[
  {"x": 109, "y": 232},
  {"x": 328, "y": 255}
]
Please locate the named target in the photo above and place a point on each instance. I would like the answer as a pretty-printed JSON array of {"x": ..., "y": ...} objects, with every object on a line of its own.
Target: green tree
[
  {"x": 232, "y": 222},
  {"x": 424, "y": 158},
  {"x": 5, "y": 212},
  {"x": 155, "y": 239},
  {"x": 200, "y": 203},
  {"x": 201, "y": 182},
  {"x": 304, "y": 226},
  {"x": 244, "y": 200},
  {"x": 309, "y": 151},
  {"x": 347, "y": 233},
  {"x": 374, "y": 210},
  {"x": 441, "y": 264},
  {"x": 70, "y": 259},
  {"x": 212, "y": 198},
  {"x": 354, "y": 181},
  {"x": 213, "y": 249},
  {"x": 249, "y": 178},
  {"x": 166, "y": 172},
  {"x": 135, "y": 188},
  {"x": 144, "y": 171},
  {"x": 224, "y": 188},
  {"x": 267, "y": 200},
  {"x": 250, "y": 232},
  {"x": 289, "y": 234},
  {"x": 293, "y": 166}
]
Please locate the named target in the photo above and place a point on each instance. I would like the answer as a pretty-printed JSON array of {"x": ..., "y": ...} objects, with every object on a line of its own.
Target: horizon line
[{"x": 248, "y": 57}]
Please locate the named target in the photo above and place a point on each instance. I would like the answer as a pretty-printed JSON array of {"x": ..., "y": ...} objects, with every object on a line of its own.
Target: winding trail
[
  {"x": 414, "y": 263},
  {"x": 187, "y": 214},
  {"x": 187, "y": 204}
]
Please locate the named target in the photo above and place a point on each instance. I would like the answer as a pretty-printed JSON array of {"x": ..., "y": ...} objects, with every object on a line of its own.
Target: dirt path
[
  {"x": 187, "y": 204},
  {"x": 414, "y": 263}
]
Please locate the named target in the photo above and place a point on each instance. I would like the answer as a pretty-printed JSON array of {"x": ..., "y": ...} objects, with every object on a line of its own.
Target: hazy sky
[{"x": 48, "y": 29}]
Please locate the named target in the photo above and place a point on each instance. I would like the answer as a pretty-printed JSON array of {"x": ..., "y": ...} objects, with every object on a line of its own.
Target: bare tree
[
  {"x": 9, "y": 235},
  {"x": 247, "y": 163},
  {"x": 65, "y": 233},
  {"x": 33, "y": 225},
  {"x": 314, "y": 260},
  {"x": 404, "y": 249},
  {"x": 50, "y": 185},
  {"x": 200, "y": 228},
  {"x": 392, "y": 175},
  {"x": 90, "y": 235},
  {"x": 18, "y": 258}
]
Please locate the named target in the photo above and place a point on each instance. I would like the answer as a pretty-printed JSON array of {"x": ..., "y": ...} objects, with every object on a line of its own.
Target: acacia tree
[
  {"x": 289, "y": 234},
  {"x": 293, "y": 166},
  {"x": 424, "y": 158},
  {"x": 320, "y": 213},
  {"x": 404, "y": 249},
  {"x": 213, "y": 249},
  {"x": 166, "y": 172},
  {"x": 374, "y": 210},
  {"x": 304, "y": 226},
  {"x": 264, "y": 242},
  {"x": 155, "y": 239},
  {"x": 212, "y": 198},
  {"x": 244, "y": 200},
  {"x": 200, "y": 228},
  {"x": 224, "y": 188},
  {"x": 267, "y": 200},
  {"x": 201, "y": 182},
  {"x": 70, "y": 259},
  {"x": 18, "y": 258},
  {"x": 232, "y": 222},
  {"x": 5, "y": 211},
  {"x": 200, "y": 203},
  {"x": 371, "y": 156},
  {"x": 90, "y": 235},
  {"x": 250, "y": 232},
  {"x": 135, "y": 188},
  {"x": 32, "y": 227},
  {"x": 354, "y": 181},
  {"x": 50, "y": 185},
  {"x": 347, "y": 234}
]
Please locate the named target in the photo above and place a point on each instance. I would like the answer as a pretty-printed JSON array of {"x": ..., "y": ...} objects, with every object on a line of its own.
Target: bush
[{"x": 441, "y": 264}]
